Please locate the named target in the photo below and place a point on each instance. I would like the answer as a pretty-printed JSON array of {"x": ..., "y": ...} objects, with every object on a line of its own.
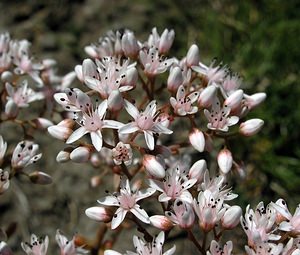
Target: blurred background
[{"x": 258, "y": 39}]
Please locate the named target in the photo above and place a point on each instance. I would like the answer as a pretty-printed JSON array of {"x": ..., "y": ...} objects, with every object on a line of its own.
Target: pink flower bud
[
  {"x": 197, "y": 170},
  {"x": 193, "y": 56},
  {"x": 154, "y": 166},
  {"x": 42, "y": 178},
  {"x": 62, "y": 130},
  {"x": 225, "y": 161},
  {"x": 161, "y": 222},
  {"x": 63, "y": 156},
  {"x": 130, "y": 45},
  {"x": 175, "y": 79},
  {"x": 197, "y": 140},
  {"x": 207, "y": 96},
  {"x": 231, "y": 217},
  {"x": 11, "y": 109},
  {"x": 166, "y": 40},
  {"x": 251, "y": 127},
  {"x": 234, "y": 100},
  {"x": 79, "y": 73},
  {"x": 255, "y": 99},
  {"x": 115, "y": 101},
  {"x": 91, "y": 51},
  {"x": 42, "y": 123},
  {"x": 99, "y": 213},
  {"x": 81, "y": 154}
]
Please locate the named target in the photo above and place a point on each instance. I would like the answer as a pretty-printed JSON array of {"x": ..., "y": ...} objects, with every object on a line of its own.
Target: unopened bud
[
  {"x": 81, "y": 154},
  {"x": 193, "y": 56},
  {"x": 197, "y": 170},
  {"x": 197, "y": 140},
  {"x": 225, "y": 160},
  {"x": 78, "y": 71},
  {"x": 38, "y": 177},
  {"x": 11, "y": 109},
  {"x": 130, "y": 45},
  {"x": 161, "y": 222},
  {"x": 91, "y": 51},
  {"x": 99, "y": 213},
  {"x": 154, "y": 166},
  {"x": 251, "y": 127},
  {"x": 63, "y": 156},
  {"x": 234, "y": 100},
  {"x": 166, "y": 40},
  {"x": 175, "y": 79},
  {"x": 207, "y": 96},
  {"x": 115, "y": 100},
  {"x": 42, "y": 123},
  {"x": 62, "y": 130},
  {"x": 6, "y": 76},
  {"x": 255, "y": 99},
  {"x": 231, "y": 217}
]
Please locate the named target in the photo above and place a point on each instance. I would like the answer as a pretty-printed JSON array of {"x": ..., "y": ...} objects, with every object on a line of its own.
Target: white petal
[
  {"x": 97, "y": 140},
  {"x": 112, "y": 124},
  {"x": 149, "y": 139},
  {"x": 111, "y": 252},
  {"x": 129, "y": 128},
  {"x": 158, "y": 128},
  {"x": 180, "y": 93},
  {"x": 120, "y": 215},
  {"x": 150, "y": 109},
  {"x": 232, "y": 120},
  {"x": 109, "y": 201},
  {"x": 145, "y": 193},
  {"x": 77, "y": 134},
  {"x": 131, "y": 109},
  {"x": 170, "y": 251},
  {"x": 102, "y": 109},
  {"x": 140, "y": 214}
]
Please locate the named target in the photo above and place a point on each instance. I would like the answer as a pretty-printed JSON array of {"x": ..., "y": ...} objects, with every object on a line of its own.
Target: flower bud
[
  {"x": 175, "y": 79},
  {"x": 234, "y": 100},
  {"x": 207, "y": 96},
  {"x": 197, "y": 140},
  {"x": 154, "y": 166},
  {"x": 225, "y": 160},
  {"x": 161, "y": 222},
  {"x": 166, "y": 41},
  {"x": 130, "y": 45},
  {"x": 6, "y": 76},
  {"x": 99, "y": 213},
  {"x": 251, "y": 127},
  {"x": 197, "y": 170},
  {"x": 81, "y": 154},
  {"x": 62, "y": 130},
  {"x": 193, "y": 56},
  {"x": 42, "y": 123},
  {"x": 231, "y": 217},
  {"x": 255, "y": 99},
  {"x": 131, "y": 78},
  {"x": 11, "y": 109},
  {"x": 91, "y": 51},
  {"x": 79, "y": 73},
  {"x": 63, "y": 156},
  {"x": 115, "y": 101},
  {"x": 42, "y": 178}
]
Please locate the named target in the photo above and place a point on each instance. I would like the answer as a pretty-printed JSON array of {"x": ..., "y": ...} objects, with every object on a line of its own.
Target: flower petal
[
  {"x": 109, "y": 201},
  {"x": 97, "y": 140},
  {"x": 140, "y": 214},
  {"x": 129, "y": 128},
  {"x": 118, "y": 218},
  {"x": 149, "y": 139},
  {"x": 77, "y": 134},
  {"x": 131, "y": 109}
]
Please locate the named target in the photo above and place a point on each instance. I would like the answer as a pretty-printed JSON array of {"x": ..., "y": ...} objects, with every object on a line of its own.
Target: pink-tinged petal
[
  {"x": 140, "y": 214},
  {"x": 144, "y": 193},
  {"x": 188, "y": 184},
  {"x": 109, "y": 201},
  {"x": 125, "y": 88},
  {"x": 97, "y": 140},
  {"x": 93, "y": 84},
  {"x": 180, "y": 93},
  {"x": 161, "y": 222},
  {"x": 77, "y": 134},
  {"x": 149, "y": 139},
  {"x": 129, "y": 128},
  {"x": 101, "y": 110},
  {"x": 186, "y": 196},
  {"x": 232, "y": 120},
  {"x": 193, "y": 97},
  {"x": 118, "y": 218},
  {"x": 111, "y": 252},
  {"x": 115, "y": 100},
  {"x": 282, "y": 210},
  {"x": 112, "y": 124},
  {"x": 131, "y": 109}
]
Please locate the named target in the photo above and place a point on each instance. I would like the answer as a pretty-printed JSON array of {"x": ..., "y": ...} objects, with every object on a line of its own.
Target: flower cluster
[{"x": 149, "y": 137}]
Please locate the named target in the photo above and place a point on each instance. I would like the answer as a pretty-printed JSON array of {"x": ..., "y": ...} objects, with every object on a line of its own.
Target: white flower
[
  {"x": 37, "y": 246},
  {"x": 127, "y": 200},
  {"x": 67, "y": 247},
  {"x": 145, "y": 122}
]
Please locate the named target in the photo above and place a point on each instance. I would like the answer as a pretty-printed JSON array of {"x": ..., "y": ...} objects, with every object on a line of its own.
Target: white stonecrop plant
[{"x": 144, "y": 128}]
